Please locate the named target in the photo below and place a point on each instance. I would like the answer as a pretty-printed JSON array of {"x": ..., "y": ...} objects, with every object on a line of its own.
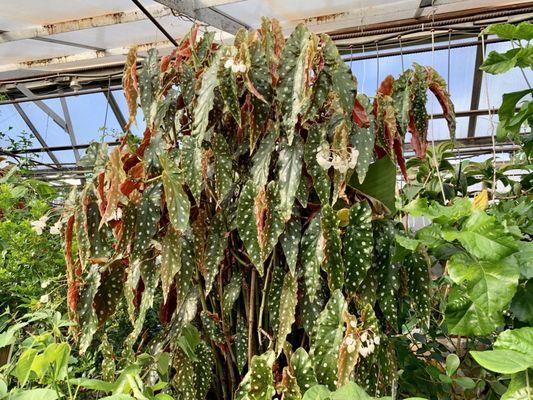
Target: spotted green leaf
[
  {"x": 304, "y": 372},
  {"x": 148, "y": 215},
  {"x": 258, "y": 383},
  {"x": 289, "y": 173},
  {"x": 312, "y": 256},
  {"x": 228, "y": 86},
  {"x": 362, "y": 139},
  {"x": 261, "y": 159},
  {"x": 259, "y": 221},
  {"x": 212, "y": 327},
  {"x": 170, "y": 260},
  {"x": 88, "y": 319},
  {"x": 287, "y": 307},
  {"x": 241, "y": 343},
  {"x": 326, "y": 340},
  {"x": 274, "y": 296},
  {"x": 332, "y": 264},
  {"x": 223, "y": 167},
  {"x": 321, "y": 181},
  {"x": 358, "y": 245},
  {"x": 216, "y": 244},
  {"x": 109, "y": 291},
  {"x": 309, "y": 310},
  {"x": 177, "y": 201},
  {"x": 108, "y": 359},
  {"x": 419, "y": 285},
  {"x": 205, "y": 99},
  {"x": 149, "y": 85},
  {"x": 231, "y": 293},
  {"x": 290, "y": 241},
  {"x": 291, "y": 90},
  {"x": 184, "y": 379},
  {"x": 349, "y": 350},
  {"x": 192, "y": 166},
  {"x": 203, "y": 369}
]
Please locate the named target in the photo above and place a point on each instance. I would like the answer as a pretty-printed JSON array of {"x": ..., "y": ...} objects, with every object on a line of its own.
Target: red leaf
[
  {"x": 418, "y": 141},
  {"x": 398, "y": 150},
  {"x": 359, "y": 115},
  {"x": 73, "y": 273}
]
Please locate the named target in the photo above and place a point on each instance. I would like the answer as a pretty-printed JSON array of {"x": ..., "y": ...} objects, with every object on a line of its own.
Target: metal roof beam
[
  {"x": 36, "y": 133},
  {"x": 208, "y": 15},
  {"x": 82, "y": 23},
  {"x": 476, "y": 88},
  {"x": 39, "y": 103},
  {"x": 116, "y": 109},
  {"x": 69, "y": 128}
]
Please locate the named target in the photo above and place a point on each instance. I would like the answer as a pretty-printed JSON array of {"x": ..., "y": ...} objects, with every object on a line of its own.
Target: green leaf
[
  {"x": 350, "y": 391},
  {"x": 205, "y": 99},
  {"x": 170, "y": 260},
  {"x": 149, "y": 85},
  {"x": 332, "y": 264},
  {"x": 223, "y": 167},
  {"x": 87, "y": 315},
  {"x": 483, "y": 290},
  {"x": 261, "y": 159},
  {"x": 484, "y": 237},
  {"x": 498, "y": 63},
  {"x": 419, "y": 285},
  {"x": 303, "y": 369},
  {"x": 321, "y": 181},
  {"x": 289, "y": 173},
  {"x": 312, "y": 256},
  {"x": 228, "y": 85},
  {"x": 58, "y": 354},
  {"x": 258, "y": 383},
  {"x": 216, "y": 244},
  {"x": 212, "y": 327},
  {"x": 509, "y": 103},
  {"x": 465, "y": 382},
  {"x": 379, "y": 182},
  {"x": 522, "y": 306},
  {"x": 502, "y": 361},
  {"x": 178, "y": 204},
  {"x": 452, "y": 363},
  {"x": 203, "y": 368},
  {"x": 326, "y": 339},
  {"x": 33, "y": 394},
  {"x": 109, "y": 291},
  {"x": 290, "y": 241},
  {"x": 358, "y": 244},
  {"x": 259, "y": 221},
  {"x": 287, "y": 307},
  {"x": 291, "y": 90},
  {"x": 93, "y": 384},
  {"x": 241, "y": 343},
  {"x": 23, "y": 366},
  {"x": 519, "y": 387},
  {"x": 317, "y": 392},
  {"x": 362, "y": 139},
  {"x": 231, "y": 293},
  {"x": 184, "y": 379},
  {"x": 192, "y": 166},
  {"x": 460, "y": 208},
  {"x": 148, "y": 214}
]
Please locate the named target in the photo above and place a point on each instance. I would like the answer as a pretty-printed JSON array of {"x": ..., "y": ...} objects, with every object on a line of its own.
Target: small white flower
[
  {"x": 340, "y": 164},
  {"x": 228, "y": 63},
  {"x": 363, "y": 351},
  {"x": 354, "y": 155},
  {"x": 158, "y": 260},
  {"x": 371, "y": 348},
  {"x": 39, "y": 225},
  {"x": 44, "y": 299},
  {"x": 56, "y": 228},
  {"x": 364, "y": 336},
  {"x": 350, "y": 340},
  {"x": 323, "y": 157},
  {"x": 235, "y": 68},
  {"x": 350, "y": 348},
  {"x": 377, "y": 340},
  {"x": 353, "y": 323},
  {"x": 45, "y": 284},
  {"x": 241, "y": 68}
]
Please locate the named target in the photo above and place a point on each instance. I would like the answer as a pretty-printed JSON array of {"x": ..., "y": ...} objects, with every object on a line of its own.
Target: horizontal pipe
[{"x": 58, "y": 95}]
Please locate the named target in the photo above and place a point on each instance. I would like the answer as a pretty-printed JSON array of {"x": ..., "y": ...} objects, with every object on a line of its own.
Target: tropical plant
[{"x": 255, "y": 193}]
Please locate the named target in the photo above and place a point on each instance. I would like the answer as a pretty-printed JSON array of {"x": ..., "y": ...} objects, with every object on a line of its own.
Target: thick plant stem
[{"x": 251, "y": 316}]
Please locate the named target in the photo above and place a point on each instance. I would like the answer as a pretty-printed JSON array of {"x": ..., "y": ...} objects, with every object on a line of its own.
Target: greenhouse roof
[{"x": 62, "y": 60}]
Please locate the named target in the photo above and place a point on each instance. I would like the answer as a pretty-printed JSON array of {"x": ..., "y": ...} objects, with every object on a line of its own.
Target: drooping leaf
[
  {"x": 203, "y": 369},
  {"x": 261, "y": 160},
  {"x": 177, "y": 201},
  {"x": 231, "y": 293},
  {"x": 290, "y": 242},
  {"x": 349, "y": 350},
  {"x": 362, "y": 139},
  {"x": 258, "y": 383},
  {"x": 419, "y": 285},
  {"x": 205, "y": 99},
  {"x": 148, "y": 215},
  {"x": 223, "y": 167},
  {"x": 358, "y": 245},
  {"x": 321, "y": 181},
  {"x": 170, "y": 260},
  {"x": 287, "y": 307},
  {"x": 109, "y": 291},
  {"x": 303, "y": 370},
  {"x": 312, "y": 255},
  {"x": 289, "y": 173},
  {"x": 216, "y": 244},
  {"x": 241, "y": 343},
  {"x": 192, "y": 166},
  {"x": 291, "y": 90},
  {"x": 274, "y": 296},
  {"x": 332, "y": 247},
  {"x": 326, "y": 339}
]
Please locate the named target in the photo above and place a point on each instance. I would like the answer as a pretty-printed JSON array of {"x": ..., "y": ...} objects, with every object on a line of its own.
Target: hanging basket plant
[{"x": 245, "y": 215}]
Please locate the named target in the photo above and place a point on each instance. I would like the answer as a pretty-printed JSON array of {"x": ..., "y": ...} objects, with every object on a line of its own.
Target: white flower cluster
[
  {"x": 342, "y": 161},
  {"x": 235, "y": 67},
  {"x": 368, "y": 343},
  {"x": 39, "y": 225}
]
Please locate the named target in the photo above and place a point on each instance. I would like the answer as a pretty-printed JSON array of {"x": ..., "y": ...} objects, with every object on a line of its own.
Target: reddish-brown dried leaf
[{"x": 359, "y": 115}]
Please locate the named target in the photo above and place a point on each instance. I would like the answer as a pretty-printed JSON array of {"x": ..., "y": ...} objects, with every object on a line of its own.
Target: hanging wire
[
  {"x": 432, "y": 105},
  {"x": 491, "y": 122},
  {"x": 107, "y": 105},
  {"x": 401, "y": 52},
  {"x": 448, "y": 84},
  {"x": 377, "y": 65},
  {"x": 364, "y": 72}
]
